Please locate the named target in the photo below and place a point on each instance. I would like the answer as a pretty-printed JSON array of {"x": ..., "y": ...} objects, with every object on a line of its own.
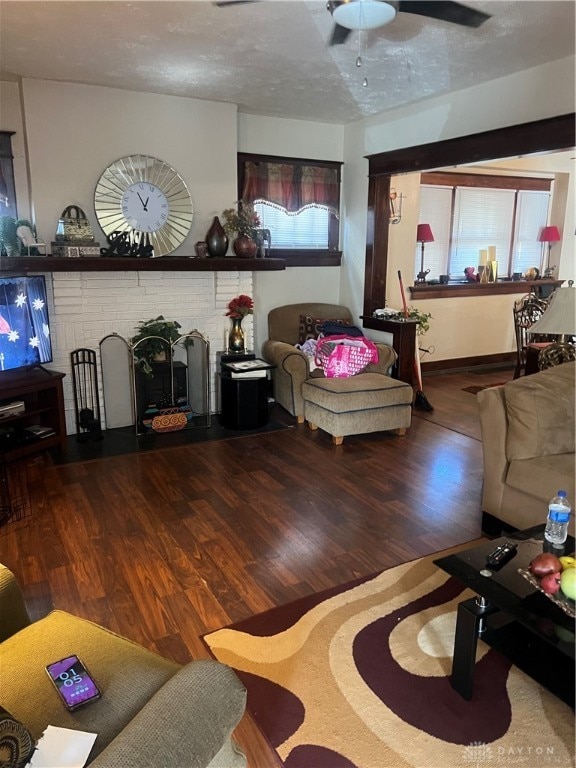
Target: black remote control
[{"x": 501, "y": 554}]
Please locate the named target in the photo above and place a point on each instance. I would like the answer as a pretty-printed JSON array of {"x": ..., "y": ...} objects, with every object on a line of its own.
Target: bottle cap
[{"x": 562, "y": 494}]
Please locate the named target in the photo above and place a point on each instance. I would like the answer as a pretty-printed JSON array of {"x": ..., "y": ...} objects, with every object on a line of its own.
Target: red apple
[
  {"x": 545, "y": 563},
  {"x": 550, "y": 583}
]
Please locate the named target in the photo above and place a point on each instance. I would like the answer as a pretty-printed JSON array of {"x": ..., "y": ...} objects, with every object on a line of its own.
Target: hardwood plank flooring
[{"x": 163, "y": 547}]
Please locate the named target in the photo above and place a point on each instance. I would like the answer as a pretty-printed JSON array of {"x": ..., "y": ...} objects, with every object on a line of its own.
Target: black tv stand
[{"x": 41, "y": 367}]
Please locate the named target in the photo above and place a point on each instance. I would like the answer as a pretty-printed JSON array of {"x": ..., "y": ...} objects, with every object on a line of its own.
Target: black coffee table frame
[{"x": 509, "y": 614}]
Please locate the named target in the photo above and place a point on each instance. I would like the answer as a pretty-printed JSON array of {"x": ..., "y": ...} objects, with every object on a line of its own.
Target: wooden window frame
[
  {"x": 548, "y": 135},
  {"x": 300, "y": 257}
]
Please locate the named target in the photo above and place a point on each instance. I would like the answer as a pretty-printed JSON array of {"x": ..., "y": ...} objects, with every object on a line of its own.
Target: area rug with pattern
[{"x": 359, "y": 677}]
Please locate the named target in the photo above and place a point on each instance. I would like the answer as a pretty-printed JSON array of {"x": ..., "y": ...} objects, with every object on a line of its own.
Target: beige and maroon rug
[{"x": 358, "y": 677}]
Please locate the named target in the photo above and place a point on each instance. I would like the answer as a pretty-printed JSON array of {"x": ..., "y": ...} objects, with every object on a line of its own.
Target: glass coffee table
[{"x": 511, "y": 615}]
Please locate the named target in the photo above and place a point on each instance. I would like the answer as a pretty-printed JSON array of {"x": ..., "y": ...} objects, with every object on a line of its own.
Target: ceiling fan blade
[
  {"x": 339, "y": 35},
  {"x": 224, "y": 3},
  {"x": 456, "y": 13}
]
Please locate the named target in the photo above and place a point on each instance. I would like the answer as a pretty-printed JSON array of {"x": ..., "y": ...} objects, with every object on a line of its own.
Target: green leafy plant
[
  {"x": 9, "y": 242},
  {"x": 415, "y": 314},
  {"x": 150, "y": 334},
  {"x": 241, "y": 221}
]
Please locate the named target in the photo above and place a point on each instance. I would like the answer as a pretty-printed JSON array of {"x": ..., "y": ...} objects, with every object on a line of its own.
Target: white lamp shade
[
  {"x": 560, "y": 317},
  {"x": 364, "y": 14}
]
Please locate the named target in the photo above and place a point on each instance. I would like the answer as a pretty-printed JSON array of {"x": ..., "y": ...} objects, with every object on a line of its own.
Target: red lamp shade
[
  {"x": 549, "y": 235},
  {"x": 424, "y": 234}
]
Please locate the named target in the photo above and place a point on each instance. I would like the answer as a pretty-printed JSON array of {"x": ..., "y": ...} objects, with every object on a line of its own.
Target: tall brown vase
[{"x": 216, "y": 239}]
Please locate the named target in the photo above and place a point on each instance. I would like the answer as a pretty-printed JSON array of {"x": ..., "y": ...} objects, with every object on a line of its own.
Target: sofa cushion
[
  {"x": 311, "y": 327},
  {"x": 536, "y": 477},
  {"x": 284, "y": 322},
  {"x": 540, "y": 411},
  {"x": 126, "y": 673}
]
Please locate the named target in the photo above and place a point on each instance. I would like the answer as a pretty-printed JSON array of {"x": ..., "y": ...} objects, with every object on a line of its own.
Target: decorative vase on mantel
[
  {"x": 236, "y": 336},
  {"x": 216, "y": 239},
  {"x": 244, "y": 247}
]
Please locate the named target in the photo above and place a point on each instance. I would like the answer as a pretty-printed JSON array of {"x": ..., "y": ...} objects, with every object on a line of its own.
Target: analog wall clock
[{"x": 144, "y": 197}]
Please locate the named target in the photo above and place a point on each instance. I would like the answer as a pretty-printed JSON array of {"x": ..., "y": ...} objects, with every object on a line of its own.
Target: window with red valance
[{"x": 298, "y": 201}]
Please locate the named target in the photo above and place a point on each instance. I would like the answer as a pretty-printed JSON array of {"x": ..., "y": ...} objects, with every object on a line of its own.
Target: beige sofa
[
  {"x": 528, "y": 446},
  {"x": 152, "y": 712}
]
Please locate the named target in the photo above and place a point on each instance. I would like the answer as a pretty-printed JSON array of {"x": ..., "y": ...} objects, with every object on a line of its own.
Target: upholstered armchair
[
  {"x": 285, "y": 325},
  {"x": 152, "y": 712},
  {"x": 292, "y": 366}
]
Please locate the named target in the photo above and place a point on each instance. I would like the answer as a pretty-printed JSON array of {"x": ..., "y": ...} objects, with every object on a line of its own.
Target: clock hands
[{"x": 144, "y": 204}]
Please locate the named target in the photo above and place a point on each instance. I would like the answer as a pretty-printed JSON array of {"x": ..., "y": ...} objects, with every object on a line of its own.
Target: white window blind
[
  {"x": 305, "y": 230},
  {"x": 435, "y": 209},
  {"x": 466, "y": 220},
  {"x": 531, "y": 216},
  {"x": 482, "y": 217}
]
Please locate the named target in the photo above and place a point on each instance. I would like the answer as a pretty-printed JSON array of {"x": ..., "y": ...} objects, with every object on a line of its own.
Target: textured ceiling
[{"x": 271, "y": 57}]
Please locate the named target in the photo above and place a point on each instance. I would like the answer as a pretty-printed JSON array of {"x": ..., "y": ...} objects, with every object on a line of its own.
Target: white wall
[
  {"x": 76, "y": 131},
  {"x": 290, "y": 138},
  {"x": 531, "y": 95}
]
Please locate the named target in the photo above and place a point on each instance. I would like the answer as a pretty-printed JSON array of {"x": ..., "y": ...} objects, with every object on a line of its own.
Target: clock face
[
  {"x": 145, "y": 197},
  {"x": 145, "y": 206}
]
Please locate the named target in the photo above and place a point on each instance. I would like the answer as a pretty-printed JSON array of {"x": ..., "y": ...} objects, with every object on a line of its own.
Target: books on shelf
[{"x": 37, "y": 430}]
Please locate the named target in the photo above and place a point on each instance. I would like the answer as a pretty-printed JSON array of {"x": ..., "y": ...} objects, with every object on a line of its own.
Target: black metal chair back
[{"x": 527, "y": 310}]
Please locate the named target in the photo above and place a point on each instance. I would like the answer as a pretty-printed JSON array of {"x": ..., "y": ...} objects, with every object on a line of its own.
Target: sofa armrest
[
  {"x": 291, "y": 372},
  {"x": 387, "y": 356},
  {"x": 286, "y": 356},
  {"x": 185, "y": 723},
  {"x": 494, "y": 427},
  {"x": 12, "y": 606}
]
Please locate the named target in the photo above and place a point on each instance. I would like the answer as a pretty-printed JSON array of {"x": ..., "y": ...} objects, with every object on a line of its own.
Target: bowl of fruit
[{"x": 555, "y": 577}]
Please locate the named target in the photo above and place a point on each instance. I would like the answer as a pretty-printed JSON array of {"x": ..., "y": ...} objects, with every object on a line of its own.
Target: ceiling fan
[{"x": 371, "y": 14}]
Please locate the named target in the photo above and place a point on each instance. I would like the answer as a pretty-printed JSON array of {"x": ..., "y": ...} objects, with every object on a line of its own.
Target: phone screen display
[{"x": 73, "y": 682}]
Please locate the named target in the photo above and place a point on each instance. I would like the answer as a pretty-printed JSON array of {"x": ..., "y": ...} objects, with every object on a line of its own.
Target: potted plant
[
  {"x": 9, "y": 242},
  {"x": 242, "y": 224},
  {"x": 153, "y": 340}
]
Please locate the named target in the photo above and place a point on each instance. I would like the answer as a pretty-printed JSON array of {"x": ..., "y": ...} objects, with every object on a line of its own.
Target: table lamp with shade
[
  {"x": 558, "y": 320},
  {"x": 423, "y": 235},
  {"x": 549, "y": 235}
]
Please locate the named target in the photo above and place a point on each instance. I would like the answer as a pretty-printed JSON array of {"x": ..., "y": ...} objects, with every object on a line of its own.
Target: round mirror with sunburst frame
[{"x": 145, "y": 197}]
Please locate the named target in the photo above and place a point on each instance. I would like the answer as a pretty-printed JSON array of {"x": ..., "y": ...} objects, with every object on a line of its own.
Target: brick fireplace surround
[{"x": 86, "y": 306}]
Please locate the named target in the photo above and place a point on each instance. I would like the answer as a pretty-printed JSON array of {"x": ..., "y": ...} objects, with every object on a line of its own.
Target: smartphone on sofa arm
[{"x": 73, "y": 682}]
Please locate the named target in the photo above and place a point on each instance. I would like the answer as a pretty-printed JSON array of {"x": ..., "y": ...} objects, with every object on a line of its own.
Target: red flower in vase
[{"x": 240, "y": 307}]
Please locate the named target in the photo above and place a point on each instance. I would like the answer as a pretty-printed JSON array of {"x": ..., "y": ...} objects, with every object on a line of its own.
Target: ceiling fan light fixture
[{"x": 364, "y": 14}]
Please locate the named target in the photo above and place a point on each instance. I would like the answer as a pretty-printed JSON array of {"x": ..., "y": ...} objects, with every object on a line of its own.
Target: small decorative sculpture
[
  {"x": 471, "y": 277},
  {"x": 27, "y": 236}
]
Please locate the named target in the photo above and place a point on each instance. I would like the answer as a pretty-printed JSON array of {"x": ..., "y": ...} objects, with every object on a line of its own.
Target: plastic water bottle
[{"x": 559, "y": 509}]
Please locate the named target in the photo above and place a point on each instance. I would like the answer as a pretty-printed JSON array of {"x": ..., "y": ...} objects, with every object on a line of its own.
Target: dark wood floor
[{"x": 163, "y": 547}]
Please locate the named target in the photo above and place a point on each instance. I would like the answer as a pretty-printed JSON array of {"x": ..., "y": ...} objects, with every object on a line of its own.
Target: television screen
[{"x": 24, "y": 324}]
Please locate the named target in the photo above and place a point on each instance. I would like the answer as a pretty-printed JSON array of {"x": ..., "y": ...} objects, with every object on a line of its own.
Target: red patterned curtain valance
[{"x": 292, "y": 187}]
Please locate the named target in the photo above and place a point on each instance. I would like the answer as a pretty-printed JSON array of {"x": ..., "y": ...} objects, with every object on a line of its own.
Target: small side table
[
  {"x": 244, "y": 400},
  {"x": 222, "y": 357}
]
